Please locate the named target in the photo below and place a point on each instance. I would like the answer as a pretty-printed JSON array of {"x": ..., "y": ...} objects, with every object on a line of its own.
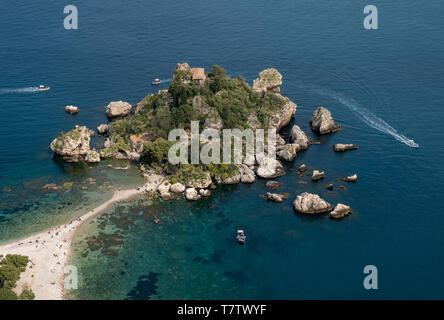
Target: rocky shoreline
[{"x": 74, "y": 146}]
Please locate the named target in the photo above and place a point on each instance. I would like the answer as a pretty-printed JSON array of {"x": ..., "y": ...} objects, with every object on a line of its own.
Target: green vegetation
[
  {"x": 11, "y": 267},
  {"x": 230, "y": 99}
]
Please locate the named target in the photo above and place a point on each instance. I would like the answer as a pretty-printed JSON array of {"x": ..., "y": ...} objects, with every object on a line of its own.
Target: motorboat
[
  {"x": 155, "y": 82},
  {"x": 43, "y": 88},
  {"x": 241, "y": 237}
]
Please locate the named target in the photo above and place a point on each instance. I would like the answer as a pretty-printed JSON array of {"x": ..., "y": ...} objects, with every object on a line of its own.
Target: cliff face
[{"x": 73, "y": 146}]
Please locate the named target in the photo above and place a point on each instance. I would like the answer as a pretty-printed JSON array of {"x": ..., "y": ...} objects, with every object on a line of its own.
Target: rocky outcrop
[
  {"x": 322, "y": 121},
  {"x": 192, "y": 194},
  {"x": 303, "y": 167},
  {"x": 282, "y": 116},
  {"x": 352, "y": 178},
  {"x": 339, "y": 147},
  {"x": 269, "y": 80},
  {"x": 202, "y": 182},
  {"x": 92, "y": 156},
  {"x": 73, "y": 146},
  {"x": 276, "y": 197},
  {"x": 205, "y": 192},
  {"x": 299, "y": 137},
  {"x": 310, "y": 203},
  {"x": 247, "y": 174},
  {"x": 164, "y": 187},
  {"x": 72, "y": 109},
  {"x": 177, "y": 187},
  {"x": 269, "y": 168},
  {"x": 340, "y": 211},
  {"x": 118, "y": 109},
  {"x": 317, "y": 175},
  {"x": 273, "y": 185},
  {"x": 103, "y": 129},
  {"x": 287, "y": 152}
]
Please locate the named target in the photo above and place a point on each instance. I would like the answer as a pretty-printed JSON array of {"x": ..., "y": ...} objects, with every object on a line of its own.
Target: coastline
[{"x": 49, "y": 251}]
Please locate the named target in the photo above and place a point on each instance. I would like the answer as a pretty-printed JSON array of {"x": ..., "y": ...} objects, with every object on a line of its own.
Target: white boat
[
  {"x": 241, "y": 237},
  {"x": 155, "y": 82},
  {"x": 43, "y": 88}
]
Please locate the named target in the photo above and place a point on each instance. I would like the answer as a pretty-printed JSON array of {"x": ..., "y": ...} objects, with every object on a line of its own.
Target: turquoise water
[{"x": 384, "y": 86}]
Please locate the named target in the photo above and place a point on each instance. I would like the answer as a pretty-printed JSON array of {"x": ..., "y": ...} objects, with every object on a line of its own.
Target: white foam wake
[
  {"x": 18, "y": 90},
  {"x": 368, "y": 117}
]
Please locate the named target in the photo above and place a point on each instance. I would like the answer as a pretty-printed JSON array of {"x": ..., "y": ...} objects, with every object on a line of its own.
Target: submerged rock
[
  {"x": 323, "y": 122},
  {"x": 276, "y": 197},
  {"x": 311, "y": 204},
  {"x": 118, "y": 109},
  {"x": 340, "y": 211},
  {"x": 329, "y": 186},
  {"x": 273, "y": 185},
  {"x": 317, "y": 175},
  {"x": 299, "y": 137},
  {"x": 339, "y": 147}
]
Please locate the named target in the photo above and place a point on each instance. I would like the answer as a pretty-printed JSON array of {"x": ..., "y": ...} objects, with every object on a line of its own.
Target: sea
[{"x": 385, "y": 86}]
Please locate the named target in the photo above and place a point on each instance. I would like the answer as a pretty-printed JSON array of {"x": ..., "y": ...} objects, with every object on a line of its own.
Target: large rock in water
[
  {"x": 298, "y": 136},
  {"x": 323, "y": 122},
  {"x": 283, "y": 115},
  {"x": 118, "y": 109},
  {"x": 177, "y": 187},
  {"x": 311, "y": 204},
  {"x": 72, "y": 109},
  {"x": 269, "y": 80},
  {"x": 287, "y": 152},
  {"x": 103, "y": 129},
  {"x": 73, "y": 146}
]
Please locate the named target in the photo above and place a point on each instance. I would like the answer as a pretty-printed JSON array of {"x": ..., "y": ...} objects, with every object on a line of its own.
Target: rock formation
[
  {"x": 303, "y": 167},
  {"x": 273, "y": 185},
  {"x": 247, "y": 174},
  {"x": 269, "y": 80},
  {"x": 205, "y": 192},
  {"x": 269, "y": 168},
  {"x": 73, "y": 146},
  {"x": 177, "y": 188},
  {"x": 287, "y": 152},
  {"x": 339, "y": 147},
  {"x": 299, "y": 137},
  {"x": 92, "y": 156},
  {"x": 118, "y": 109},
  {"x": 311, "y": 204},
  {"x": 323, "y": 122},
  {"x": 72, "y": 109},
  {"x": 352, "y": 178},
  {"x": 340, "y": 211},
  {"x": 276, "y": 197},
  {"x": 103, "y": 129},
  {"x": 317, "y": 175},
  {"x": 192, "y": 194}
]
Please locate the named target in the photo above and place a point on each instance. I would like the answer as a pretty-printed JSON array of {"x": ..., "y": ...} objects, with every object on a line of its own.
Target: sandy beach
[{"x": 49, "y": 250}]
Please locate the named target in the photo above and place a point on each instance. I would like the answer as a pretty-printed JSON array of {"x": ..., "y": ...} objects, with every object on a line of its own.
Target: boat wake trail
[
  {"x": 165, "y": 80},
  {"x": 18, "y": 90},
  {"x": 367, "y": 116}
]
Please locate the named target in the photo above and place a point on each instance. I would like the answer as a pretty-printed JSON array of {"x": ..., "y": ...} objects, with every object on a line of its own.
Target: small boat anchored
[
  {"x": 155, "y": 82},
  {"x": 241, "y": 237},
  {"x": 43, "y": 88}
]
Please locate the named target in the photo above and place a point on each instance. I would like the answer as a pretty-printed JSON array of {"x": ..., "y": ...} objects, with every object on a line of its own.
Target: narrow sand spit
[{"x": 49, "y": 251}]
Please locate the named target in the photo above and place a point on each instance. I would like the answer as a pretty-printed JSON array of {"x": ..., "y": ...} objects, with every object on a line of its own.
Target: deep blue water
[{"x": 326, "y": 58}]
